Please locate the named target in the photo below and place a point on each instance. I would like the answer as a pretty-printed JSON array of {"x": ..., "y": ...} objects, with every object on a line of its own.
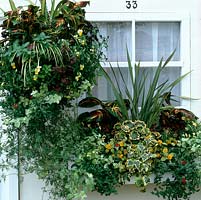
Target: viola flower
[
  {"x": 81, "y": 67},
  {"x": 37, "y": 70},
  {"x": 80, "y": 32},
  {"x": 35, "y": 77},
  {"x": 83, "y": 42},
  {"x": 77, "y": 78},
  {"x": 77, "y": 53},
  {"x": 13, "y": 65}
]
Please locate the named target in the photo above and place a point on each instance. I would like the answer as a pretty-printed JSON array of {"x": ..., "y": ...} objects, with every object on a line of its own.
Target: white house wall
[{"x": 191, "y": 8}]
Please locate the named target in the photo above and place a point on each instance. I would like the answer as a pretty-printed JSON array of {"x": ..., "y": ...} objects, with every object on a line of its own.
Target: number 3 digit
[
  {"x": 128, "y": 4},
  {"x": 134, "y": 4}
]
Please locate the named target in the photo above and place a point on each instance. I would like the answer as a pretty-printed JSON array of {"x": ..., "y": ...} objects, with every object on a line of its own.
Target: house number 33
[{"x": 131, "y": 4}]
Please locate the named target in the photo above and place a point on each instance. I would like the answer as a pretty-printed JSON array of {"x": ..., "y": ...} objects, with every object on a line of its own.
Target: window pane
[
  {"x": 119, "y": 38},
  {"x": 155, "y": 40},
  {"x": 104, "y": 91},
  {"x": 169, "y": 74}
]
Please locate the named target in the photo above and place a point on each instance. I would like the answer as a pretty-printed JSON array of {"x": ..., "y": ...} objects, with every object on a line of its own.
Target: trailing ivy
[{"x": 47, "y": 60}]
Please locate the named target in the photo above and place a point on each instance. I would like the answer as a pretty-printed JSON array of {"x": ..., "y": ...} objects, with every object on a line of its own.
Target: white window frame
[
  {"x": 184, "y": 63},
  {"x": 8, "y": 188}
]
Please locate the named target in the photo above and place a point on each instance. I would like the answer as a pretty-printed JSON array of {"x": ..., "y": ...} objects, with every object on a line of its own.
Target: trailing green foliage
[
  {"x": 48, "y": 141},
  {"x": 184, "y": 170},
  {"x": 47, "y": 59}
]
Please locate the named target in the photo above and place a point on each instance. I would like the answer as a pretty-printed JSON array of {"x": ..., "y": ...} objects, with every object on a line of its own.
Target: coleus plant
[{"x": 103, "y": 118}]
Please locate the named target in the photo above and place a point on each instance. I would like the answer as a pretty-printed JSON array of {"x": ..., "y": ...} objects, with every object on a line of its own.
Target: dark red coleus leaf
[
  {"x": 82, "y": 3},
  {"x": 89, "y": 102}
]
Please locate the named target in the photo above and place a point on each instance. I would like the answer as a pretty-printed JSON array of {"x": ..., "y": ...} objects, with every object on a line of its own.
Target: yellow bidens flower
[
  {"x": 37, "y": 70},
  {"x": 81, "y": 67},
  {"x": 165, "y": 150},
  {"x": 120, "y": 156},
  {"x": 121, "y": 144},
  {"x": 158, "y": 155},
  {"x": 13, "y": 65},
  {"x": 147, "y": 137},
  {"x": 170, "y": 156},
  {"x": 160, "y": 142},
  {"x": 151, "y": 150},
  {"x": 108, "y": 146},
  {"x": 80, "y": 32}
]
